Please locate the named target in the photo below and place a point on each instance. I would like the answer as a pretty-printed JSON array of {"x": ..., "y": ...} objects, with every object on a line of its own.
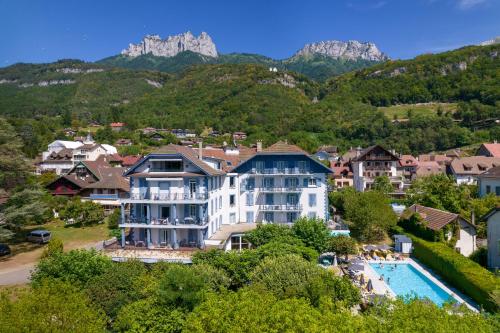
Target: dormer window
[{"x": 166, "y": 166}]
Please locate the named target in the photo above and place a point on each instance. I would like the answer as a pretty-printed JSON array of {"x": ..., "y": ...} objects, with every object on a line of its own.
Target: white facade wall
[
  {"x": 494, "y": 240},
  {"x": 467, "y": 239},
  {"x": 492, "y": 183}
]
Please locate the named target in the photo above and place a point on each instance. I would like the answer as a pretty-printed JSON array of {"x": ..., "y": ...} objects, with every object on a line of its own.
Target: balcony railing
[
  {"x": 279, "y": 208},
  {"x": 278, "y": 189},
  {"x": 95, "y": 196},
  {"x": 168, "y": 196},
  {"x": 280, "y": 171},
  {"x": 167, "y": 221}
]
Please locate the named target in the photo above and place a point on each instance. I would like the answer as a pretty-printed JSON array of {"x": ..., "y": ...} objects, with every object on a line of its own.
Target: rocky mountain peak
[
  {"x": 350, "y": 50},
  {"x": 172, "y": 45}
]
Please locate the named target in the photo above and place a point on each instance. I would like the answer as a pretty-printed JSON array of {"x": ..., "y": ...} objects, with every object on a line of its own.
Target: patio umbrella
[
  {"x": 357, "y": 267},
  {"x": 369, "y": 286},
  {"x": 384, "y": 247},
  {"x": 370, "y": 248},
  {"x": 335, "y": 261}
]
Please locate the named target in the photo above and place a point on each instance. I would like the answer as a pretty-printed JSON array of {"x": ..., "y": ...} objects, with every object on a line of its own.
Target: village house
[
  {"x": 182, "y": 198},
  {"x": 239, "y": 136},
  {"x": 61, "y": 155},
  {"x": 489, "y": 182},
  {"x": 489, "y": 149},
  {"x": 341, "y": 173},
  {"x": 492, "y": 218},
  {"x": 117, "y": 127},
  {"x": 429, "y": 168},
  {"x": 466, "y": 170},
  {"x": 327, "y": 153},
  {"x": 123, "y": 142},
  {"x": 436, "y": 220},
  {"x": 97, "y": 181},
  {"x": 408, "y": 167},
  {"x": 373, "y": 162}
]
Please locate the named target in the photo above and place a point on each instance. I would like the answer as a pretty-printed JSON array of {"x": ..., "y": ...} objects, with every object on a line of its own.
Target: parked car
[
  {"x": 4, "y": 250},
  {"x": 39, "y": 236}
]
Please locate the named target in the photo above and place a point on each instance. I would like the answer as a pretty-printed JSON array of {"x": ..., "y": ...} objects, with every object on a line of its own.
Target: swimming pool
[{"x": 406, "y": 280}]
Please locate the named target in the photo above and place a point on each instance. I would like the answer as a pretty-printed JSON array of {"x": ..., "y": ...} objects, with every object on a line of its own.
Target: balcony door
[
  {"x": 165, "y": 212},
  {"x": 292, "y": 199},
  {"x": 192, "y": 188}
]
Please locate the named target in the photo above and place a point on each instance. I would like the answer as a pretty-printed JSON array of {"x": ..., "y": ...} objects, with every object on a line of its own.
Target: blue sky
[{"x": 44, "y": 31}]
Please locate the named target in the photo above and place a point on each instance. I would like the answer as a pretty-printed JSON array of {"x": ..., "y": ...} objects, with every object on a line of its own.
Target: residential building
[
  {"x": 492, "y": 218},
  {"x": 342, "y": 173},
  {"x": 117, "y": 127},
  {"x": 61, "y": 156},
  {"x": 463, "y": 230},
  {"x": 239, "y": 135},
  {"x": 123, "y": 142},
  {"x": 97, "y": 181},
  {"x": 373, "y": 162},
  {"x": 489, "y": 182},
  {"x": 180, "y": 196},
  {"x": 408, "y": 167},
  {"x": 427, "y": 168},
  {"x": 489, "y": 149},
  {"x": 467, "y": 169},
  {"x": 327, "y": 153}
]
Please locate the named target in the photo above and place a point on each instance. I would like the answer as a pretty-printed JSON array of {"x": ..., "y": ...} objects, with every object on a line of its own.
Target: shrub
[
  {"x": 480, "y": 256},
  {"x": 265, "y": 233},
  {"x": 313, "y": 232},
  {"x": 117, "y": 286},
  {"x": 278, "y": 248},
  {"x": 342, "y": 245},
  {"x": 459, "y": 271},
  {"x": 76, "y": 266},
  {"x": 54, "y": 247}
]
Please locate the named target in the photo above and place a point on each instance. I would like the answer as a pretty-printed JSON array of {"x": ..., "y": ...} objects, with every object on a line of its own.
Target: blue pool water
[{"x": 405, "y": 280}]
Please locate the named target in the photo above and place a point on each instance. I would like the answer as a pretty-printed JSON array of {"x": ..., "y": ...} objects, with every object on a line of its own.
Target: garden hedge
[{"x": 461, "y": 272}]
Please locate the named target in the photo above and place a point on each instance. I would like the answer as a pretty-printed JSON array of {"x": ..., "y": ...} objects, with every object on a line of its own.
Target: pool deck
[{"x": 381, "y": 288}]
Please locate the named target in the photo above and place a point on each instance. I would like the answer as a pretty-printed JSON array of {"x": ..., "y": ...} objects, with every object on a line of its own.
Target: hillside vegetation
[
  {"x": 346, "y": 111},
  {"x": 317, "y": 67}
]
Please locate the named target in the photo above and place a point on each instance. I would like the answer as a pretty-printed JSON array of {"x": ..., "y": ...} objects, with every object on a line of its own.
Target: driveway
[{"x": 17, "y": 269}]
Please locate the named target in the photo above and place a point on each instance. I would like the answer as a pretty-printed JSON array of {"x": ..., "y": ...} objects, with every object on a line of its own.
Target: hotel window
[
  {"x": 312, "y": 182},
  {"x": 281, "y": 165},
  {"x": 249, "y": 199},
  {"x": 497, "y": 190},
  {"x": 488, "y": 189},
  {"x": 259, "y": 166},
  {"x": 232, "y": 218},
  {"x": 311, "y": 215},
  {"x": 232, "y": 200},
  {"x": 192, "y": 210},
  {"x": 249, "y": 217},
  {"x": 216, "y": 204},
  {"x": 302, "y": 165},
  {"x": 312, "y": 199},
  {"x": 268, "y": 216},
  {"x": 220, "y": 202},
  {"x": 232, "y": 181}
]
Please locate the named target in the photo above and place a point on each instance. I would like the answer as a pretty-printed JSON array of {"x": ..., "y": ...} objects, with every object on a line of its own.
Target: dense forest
[
  {"x": 318, "y": 67},
  {"x": 40, "y": 100}
]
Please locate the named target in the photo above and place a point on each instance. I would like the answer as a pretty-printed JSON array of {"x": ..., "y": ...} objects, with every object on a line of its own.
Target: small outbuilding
[{"x": 402, "y": 244}]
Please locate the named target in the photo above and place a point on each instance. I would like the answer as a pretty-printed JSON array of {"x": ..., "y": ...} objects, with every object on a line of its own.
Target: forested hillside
[
  {"x": 267, "y": 105},
  {"x": 317, "y": 67}
]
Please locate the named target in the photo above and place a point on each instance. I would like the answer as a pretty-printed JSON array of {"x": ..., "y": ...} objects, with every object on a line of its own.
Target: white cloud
[{"x": 466, "y": 4}]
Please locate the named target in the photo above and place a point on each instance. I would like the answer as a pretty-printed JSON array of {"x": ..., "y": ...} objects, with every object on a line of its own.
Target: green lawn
[{"x": 427, "y": 109}]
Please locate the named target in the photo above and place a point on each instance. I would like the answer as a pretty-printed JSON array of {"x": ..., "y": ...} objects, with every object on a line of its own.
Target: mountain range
[{"x": 318, "y": 61}]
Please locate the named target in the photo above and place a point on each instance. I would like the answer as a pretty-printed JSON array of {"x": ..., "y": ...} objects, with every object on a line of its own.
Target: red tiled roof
[
  {"x": 428, "y": 168},
  {"x": 117, "y": 124},
  {"x": 130, "y": 160},
  {"x": 436, "y": 219},
  {"x": 493, "y": 149},
  {"x": 340, "y": 168},
  {"x": 408, "y": 160},
  {"x": 474, "y": 165},
  {"x": 283, "y": 147}
]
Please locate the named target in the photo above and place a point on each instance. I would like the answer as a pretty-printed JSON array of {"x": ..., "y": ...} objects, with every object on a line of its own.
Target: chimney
[
  {"x": 200, "y": 150},
  {"x": 259, "y": 146},
  {"x": 358, "y": 151}
]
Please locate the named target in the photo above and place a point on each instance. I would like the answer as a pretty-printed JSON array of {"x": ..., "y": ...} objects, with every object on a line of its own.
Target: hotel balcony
[
  {"x": 94, "y": 196},
  {"x": 280, "y": 208},
  {"x": 279, "y": 189},
  {"x": 188, "y": 198},
  {"x": 279, "y": 171},
  {"x": 164, "y": 223}
]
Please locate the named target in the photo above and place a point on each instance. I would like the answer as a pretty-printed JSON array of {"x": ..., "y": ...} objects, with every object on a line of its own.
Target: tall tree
[{"x": 14, "y": 168}]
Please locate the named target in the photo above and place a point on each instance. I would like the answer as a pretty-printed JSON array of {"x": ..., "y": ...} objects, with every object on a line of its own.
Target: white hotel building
[{"x": 180, "y": 198}]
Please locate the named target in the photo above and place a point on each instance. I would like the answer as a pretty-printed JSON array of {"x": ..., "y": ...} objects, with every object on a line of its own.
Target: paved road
[{"x": 20, "y": 274}]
